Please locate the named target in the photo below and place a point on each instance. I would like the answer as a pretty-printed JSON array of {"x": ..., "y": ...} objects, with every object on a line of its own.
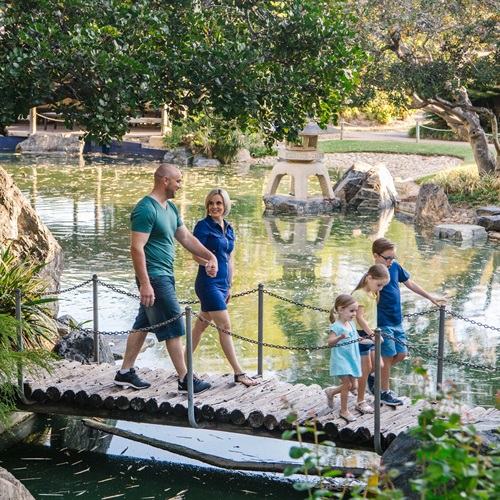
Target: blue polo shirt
[{"x": 389, "y": 311}]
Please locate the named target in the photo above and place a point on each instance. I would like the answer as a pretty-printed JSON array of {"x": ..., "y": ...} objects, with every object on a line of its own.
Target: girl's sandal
[
  {"x": 244, "y": 379},
  {"x": 329, "y": 398},
  {"x": 348, "y": 418},
  {"x": 364, "y": 408}
]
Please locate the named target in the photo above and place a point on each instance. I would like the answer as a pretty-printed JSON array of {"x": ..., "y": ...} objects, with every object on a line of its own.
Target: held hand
[
  {"x": 344, "y": 336},
  {"x": 147, "y": 295},
  {"x": 212, "y": 267}
]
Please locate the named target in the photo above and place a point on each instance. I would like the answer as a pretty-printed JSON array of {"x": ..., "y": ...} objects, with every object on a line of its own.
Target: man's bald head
[{"x": 166, "y": 170}]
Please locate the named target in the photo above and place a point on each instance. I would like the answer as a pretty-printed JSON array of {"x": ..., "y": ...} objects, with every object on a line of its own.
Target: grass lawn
[{"x": 417, "y": 148}]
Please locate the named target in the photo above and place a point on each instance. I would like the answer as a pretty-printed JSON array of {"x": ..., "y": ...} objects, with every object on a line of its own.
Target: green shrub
[
  {"x": 454, "y": 462},
  {"x": 463, "y": 185},
  {"x": 210, "y": 136}
]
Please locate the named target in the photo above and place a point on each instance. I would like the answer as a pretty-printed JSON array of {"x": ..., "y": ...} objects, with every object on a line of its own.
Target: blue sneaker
[
  {"x": 199, "y": 385},
  {"x": 389, "y": 399},
  {"x": 131, "y": 379},
  {"x": 371, "y": 384}
]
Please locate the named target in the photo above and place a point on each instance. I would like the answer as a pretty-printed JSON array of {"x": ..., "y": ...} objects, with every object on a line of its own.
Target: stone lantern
[{"x": 299, "y": 161}]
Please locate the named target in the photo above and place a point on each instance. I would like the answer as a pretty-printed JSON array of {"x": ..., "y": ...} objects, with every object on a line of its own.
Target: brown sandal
[{"x": 244, "y": 379}]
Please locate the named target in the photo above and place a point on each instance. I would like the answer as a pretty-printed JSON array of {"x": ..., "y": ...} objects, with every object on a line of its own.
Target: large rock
[
  {"x": 203, "y": 161},
  {"x": 56, "y": 144},
  {"x": 460, "y": 232},
  {"x": 288, "y": 205},
  {"x": 489, "y": 222},
  {"x": 432, "y": 205},
  {"x": 366, "y": 188},
  {"x": 179, "y": 156},
  {"x": 79, "y": 346},
  {"x": 21, "y": 226},
  {"x": 11, "y": 488},
  {"x": 489, "y": 210}
]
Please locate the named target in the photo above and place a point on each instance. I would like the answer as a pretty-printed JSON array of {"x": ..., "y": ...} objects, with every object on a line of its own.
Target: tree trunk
[{"x": 464, "y": 120}]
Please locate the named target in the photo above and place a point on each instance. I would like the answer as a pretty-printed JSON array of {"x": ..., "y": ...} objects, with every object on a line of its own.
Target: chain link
[
  {"x": 70, "y": 289},
  {"x": 284, "y": 299},
  {"x": 477, "y": 323},
  {"x": 276, "y": 346},
  {"x": 444, "y": 358},
  {"x": 123, "y": 332},
  {"x": 266, "y": 344}
]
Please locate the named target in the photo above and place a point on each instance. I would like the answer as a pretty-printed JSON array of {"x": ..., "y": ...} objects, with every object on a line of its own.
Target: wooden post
[
  {"x": 32, "y": 120},
  {"x": 341, "y": 129}
]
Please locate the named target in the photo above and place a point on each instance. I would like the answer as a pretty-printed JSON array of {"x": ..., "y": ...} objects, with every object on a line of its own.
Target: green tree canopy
[
  {"x": 269, "y": 64},
  {"x": 437, "y": 53}
]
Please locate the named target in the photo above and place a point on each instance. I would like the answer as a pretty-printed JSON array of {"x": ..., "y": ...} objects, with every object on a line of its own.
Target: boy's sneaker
[
  {"x": 131, "y": 379},
  {"x": 199, "y": 385},
  {"x": 390, "y": 399},
  {"x": 371, "y": 384}
]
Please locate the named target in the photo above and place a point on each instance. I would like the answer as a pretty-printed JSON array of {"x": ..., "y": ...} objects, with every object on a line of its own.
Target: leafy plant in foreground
[
  {"x": 11, "y": 361},
  {"x": 38, "y": 325},
  {"x": 454, "y": 462}
]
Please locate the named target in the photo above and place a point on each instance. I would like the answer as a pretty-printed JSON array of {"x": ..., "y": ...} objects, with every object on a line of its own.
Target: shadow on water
[{"x": 62, "y": 458}]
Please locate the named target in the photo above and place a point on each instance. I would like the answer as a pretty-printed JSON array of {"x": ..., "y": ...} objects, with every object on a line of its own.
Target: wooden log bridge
[{"x": 88, "y": 390}]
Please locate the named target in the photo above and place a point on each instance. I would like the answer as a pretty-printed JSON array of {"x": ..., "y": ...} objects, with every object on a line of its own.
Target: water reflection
[{"x": 307, "y": 260}]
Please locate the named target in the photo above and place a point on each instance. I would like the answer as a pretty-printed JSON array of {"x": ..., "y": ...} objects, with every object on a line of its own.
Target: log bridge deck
[{"x": 88, "y": 390}]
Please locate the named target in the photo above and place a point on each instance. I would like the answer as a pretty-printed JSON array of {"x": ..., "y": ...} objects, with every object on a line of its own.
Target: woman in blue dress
[{"x": 217, "y": 235}]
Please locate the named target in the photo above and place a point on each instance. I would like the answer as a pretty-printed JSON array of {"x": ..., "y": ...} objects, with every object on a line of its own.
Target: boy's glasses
[{"x": 388, "y": 259}]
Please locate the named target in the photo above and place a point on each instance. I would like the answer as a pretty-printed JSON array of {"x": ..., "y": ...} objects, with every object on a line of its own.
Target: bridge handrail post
[
  {"x": 376, "y": 420},
  {"x": 439, "y": 374},
  {"x": 19, "y": 318},
  {"x": 189, "y": 362},
  {"x": 260, "y": 327},
  {"x": 95, "y": 309}
]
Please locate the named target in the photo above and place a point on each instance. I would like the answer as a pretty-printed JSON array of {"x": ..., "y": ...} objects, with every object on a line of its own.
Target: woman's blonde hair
[
  {"x": 377, "y": 272},
  {"x": 341, "y": 302},
  {"x": 225, "y": 199}
]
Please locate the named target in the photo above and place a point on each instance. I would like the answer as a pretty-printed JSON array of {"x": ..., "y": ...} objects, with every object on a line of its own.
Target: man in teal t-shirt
[{"x": 155, "y": 224}]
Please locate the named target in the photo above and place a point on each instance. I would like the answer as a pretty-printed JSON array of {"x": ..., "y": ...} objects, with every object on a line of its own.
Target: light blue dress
[{"x": 345, "y": 360}]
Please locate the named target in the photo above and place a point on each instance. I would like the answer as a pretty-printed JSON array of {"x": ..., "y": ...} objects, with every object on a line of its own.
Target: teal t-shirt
[{"x": 161, "y": 224}]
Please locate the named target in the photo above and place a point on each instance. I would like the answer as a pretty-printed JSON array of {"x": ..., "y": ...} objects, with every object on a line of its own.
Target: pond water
[{"x": 306, "y": 260}]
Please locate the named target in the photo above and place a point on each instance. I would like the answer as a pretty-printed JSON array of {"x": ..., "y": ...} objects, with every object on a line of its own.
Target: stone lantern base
[{"x": 289, "y": 205}]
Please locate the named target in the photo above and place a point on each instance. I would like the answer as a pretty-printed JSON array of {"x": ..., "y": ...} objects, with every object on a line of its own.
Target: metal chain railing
[
  {"x": 260, "y": 342},
  {"x": 267, "y": 344}
]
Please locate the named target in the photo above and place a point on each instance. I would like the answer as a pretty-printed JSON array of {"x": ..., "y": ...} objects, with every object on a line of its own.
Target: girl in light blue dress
[{"x": 345, "y": 361}]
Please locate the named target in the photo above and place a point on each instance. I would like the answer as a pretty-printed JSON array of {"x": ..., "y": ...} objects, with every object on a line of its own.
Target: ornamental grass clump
[
  {"x": 39, "y": 328},
  {"x": 463, "y": 185},
  {"x": 12, "y": 361}
]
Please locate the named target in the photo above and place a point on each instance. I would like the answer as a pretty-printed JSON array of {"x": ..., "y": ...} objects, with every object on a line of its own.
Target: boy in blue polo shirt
[{"x": 390, "y": 315}]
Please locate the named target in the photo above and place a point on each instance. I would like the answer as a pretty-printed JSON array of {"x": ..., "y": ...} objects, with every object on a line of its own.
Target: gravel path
[{"x": 403, "y": 167}]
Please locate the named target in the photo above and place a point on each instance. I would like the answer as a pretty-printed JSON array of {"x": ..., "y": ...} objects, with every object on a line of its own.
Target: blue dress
[
  {"x": 345, "y": 360},
  {"x": 213, "y": 292}
]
